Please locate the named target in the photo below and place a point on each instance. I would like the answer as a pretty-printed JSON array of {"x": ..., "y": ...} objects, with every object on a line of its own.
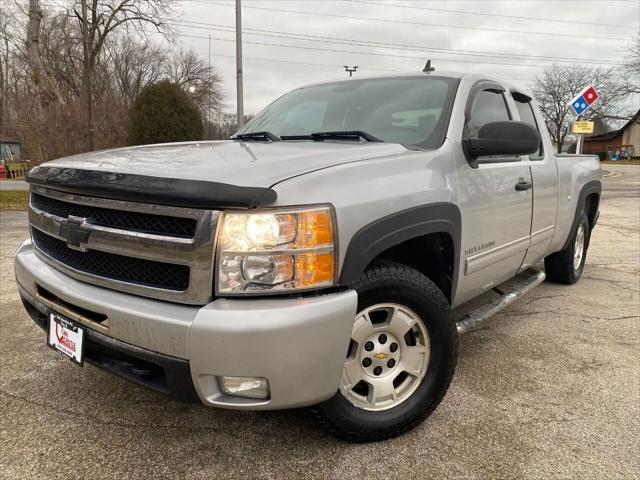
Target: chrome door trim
[{"x": 489, "y": 257}]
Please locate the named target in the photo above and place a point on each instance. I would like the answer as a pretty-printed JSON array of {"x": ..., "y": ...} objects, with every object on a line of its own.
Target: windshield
[{"x": 410, "y": 110}]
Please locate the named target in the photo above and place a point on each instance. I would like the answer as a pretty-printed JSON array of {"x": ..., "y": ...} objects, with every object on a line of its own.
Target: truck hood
[
  {"x": 250, "y": 164},
  {"x": 199, "y": 174}
]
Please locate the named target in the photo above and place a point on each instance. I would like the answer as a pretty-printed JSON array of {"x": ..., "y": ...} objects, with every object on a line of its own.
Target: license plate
[{"x": 66, "y": 337}]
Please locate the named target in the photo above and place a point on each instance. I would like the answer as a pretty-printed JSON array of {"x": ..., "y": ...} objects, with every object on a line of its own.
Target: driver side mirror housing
[{"x": 502, "y": 138}]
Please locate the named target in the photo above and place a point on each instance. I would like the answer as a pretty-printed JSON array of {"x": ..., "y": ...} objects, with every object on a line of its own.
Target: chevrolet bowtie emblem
[
  {"x": 73, "y": 231},
  {"x": 380, "y": 356}
]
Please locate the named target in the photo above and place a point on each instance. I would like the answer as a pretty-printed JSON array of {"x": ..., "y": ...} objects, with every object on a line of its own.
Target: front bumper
[{"x": 298, "y": 344}]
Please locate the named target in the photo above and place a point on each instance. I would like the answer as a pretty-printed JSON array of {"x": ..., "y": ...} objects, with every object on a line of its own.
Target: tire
[
  {"x": 562, "y": 267},
  {"x": 407, "y": 291}
]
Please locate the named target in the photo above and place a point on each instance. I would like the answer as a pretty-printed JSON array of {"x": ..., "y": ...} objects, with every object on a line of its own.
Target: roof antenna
[{"x": 428, "y": 68}]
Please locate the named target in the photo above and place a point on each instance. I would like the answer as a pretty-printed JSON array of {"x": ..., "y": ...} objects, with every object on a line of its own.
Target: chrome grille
[
  {"x": 156, "y": 251},
  {"x": 116, "y": 267},
  {"x": 107, "y": 217}
]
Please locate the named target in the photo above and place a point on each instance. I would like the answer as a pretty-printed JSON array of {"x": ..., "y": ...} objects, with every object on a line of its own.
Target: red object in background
[
  {"x": 3, "y": 171},
  {"x": 590, "y": 95}
]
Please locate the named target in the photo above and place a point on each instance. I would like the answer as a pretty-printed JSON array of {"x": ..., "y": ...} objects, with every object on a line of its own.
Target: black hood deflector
[{"x": 147, "y": 189}]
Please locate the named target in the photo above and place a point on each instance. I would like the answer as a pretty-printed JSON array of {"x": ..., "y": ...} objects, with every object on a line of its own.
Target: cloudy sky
[{"x": 289, "y": 43}]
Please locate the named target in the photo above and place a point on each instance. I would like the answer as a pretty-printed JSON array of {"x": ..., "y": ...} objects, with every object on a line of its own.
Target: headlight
[{"x": 276, "y": 251}]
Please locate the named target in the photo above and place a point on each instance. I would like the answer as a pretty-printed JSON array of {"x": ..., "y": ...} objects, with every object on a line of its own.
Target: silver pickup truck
[{"x": 314, "y": 258}]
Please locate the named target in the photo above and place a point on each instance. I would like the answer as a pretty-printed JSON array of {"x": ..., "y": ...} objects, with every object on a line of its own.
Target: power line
[
  {"x": 275, "y": 60},
  {"x": 571, "y": 22},
  {"x": 278, "y": 60},
  {"x": 397, "y": 46},
  {"x": 436, "y": 25},
  {"x": 405, "y": 22},
  {"x": 336, "y": 65},
  {"x": 382, "y": 54},
  {"x": 385, "y": 54}
]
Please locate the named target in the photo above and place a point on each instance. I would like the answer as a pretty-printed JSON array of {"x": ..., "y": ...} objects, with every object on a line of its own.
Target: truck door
[
  {"x": 496, "y": 215},
  {"x": 545, "y": 184}
]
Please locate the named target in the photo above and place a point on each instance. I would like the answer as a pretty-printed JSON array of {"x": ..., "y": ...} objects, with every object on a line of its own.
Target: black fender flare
[
  {"x": 386, "y": 232},
  {"x": 589, "y": 188}
]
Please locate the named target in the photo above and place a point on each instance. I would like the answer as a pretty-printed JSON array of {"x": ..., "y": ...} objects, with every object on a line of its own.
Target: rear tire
[
  {"x": 393, "y": 293},
  {"x": 566, "y": 266}
]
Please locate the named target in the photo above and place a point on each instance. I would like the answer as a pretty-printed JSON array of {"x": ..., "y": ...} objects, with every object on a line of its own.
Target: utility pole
[
  {"x": 209, "y": 93},
  {"x": 240, "y": 100},
  {"x": 350, "y": 69},
  {"x": 87, "y": 73}
]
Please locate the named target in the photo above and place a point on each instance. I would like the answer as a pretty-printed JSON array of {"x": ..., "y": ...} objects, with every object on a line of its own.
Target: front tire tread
[{"x": 386, "y": 272}]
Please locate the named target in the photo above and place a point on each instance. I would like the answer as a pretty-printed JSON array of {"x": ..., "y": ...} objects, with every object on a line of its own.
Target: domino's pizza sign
[{"x": 584, "y": 100}]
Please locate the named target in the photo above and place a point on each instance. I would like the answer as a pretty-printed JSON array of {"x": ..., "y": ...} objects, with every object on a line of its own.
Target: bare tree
[
  {"x": 192, "y": 73},
  {"x": 61, "y": 54},
  {"x": 47, "y": 111},
  {"x": 630, "y": 79},
  {"x": 631, "y": 69},
  {"x": 223, "y": 125},
  {"x": 5, "y": 58},
  {"x": 33, "y": 39},
  {"x": 135, "y": 65},
  {"x": 98, "y": 19},
  {"x": 41, "y": 79},
  {"x": 555, "y": 88}
]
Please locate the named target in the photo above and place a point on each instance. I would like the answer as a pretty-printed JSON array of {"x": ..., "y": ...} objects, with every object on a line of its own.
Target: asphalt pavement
[{"x": 550, "y": 388}]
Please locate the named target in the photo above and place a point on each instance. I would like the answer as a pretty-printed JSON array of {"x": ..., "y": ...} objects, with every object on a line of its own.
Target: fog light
[{"x": 251, "y": 387}]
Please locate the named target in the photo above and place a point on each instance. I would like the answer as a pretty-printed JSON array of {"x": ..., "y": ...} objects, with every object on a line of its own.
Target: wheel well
[
  {"x": 591, "y": 208},
  {"x": 432, "y": 255}
]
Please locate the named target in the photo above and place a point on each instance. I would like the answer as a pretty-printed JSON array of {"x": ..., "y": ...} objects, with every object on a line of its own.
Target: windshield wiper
[
  {"x": 263, "y": 136},
  {"x": 344, "y": 135},
  {"x": 337, "y": 135}
]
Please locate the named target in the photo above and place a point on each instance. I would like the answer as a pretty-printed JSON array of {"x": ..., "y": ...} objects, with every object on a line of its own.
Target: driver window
[
  {"x": 525, "y": 110},
  {"x": 488, "y": 106}
]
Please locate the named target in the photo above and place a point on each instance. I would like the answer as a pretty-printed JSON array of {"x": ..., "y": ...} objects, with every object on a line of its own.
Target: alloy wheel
[{"x": 387, "y": 359}]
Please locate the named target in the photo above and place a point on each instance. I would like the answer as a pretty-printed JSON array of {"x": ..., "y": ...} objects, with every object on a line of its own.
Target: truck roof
[{"x": 448, "y": 74}]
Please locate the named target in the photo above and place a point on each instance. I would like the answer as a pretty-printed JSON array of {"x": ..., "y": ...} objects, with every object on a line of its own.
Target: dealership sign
[{"x": 584, "y": 100}]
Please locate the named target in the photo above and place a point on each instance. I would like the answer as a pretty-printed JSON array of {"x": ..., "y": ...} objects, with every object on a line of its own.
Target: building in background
[
  {"x": 9, "y": 150},
  {"x": 12, "y": 165},
  {"x": 620, "y": 144}
]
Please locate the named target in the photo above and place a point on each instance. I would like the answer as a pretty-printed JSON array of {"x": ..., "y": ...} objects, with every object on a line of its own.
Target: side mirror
[{"x": 503, "y": 138}]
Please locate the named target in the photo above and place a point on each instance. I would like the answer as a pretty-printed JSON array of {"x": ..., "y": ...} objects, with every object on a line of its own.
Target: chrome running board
[{"x": 475, "y": 319}]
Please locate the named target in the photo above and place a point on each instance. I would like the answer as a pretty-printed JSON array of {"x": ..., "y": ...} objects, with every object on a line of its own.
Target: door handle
[{"x": 523, "y": 185}]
